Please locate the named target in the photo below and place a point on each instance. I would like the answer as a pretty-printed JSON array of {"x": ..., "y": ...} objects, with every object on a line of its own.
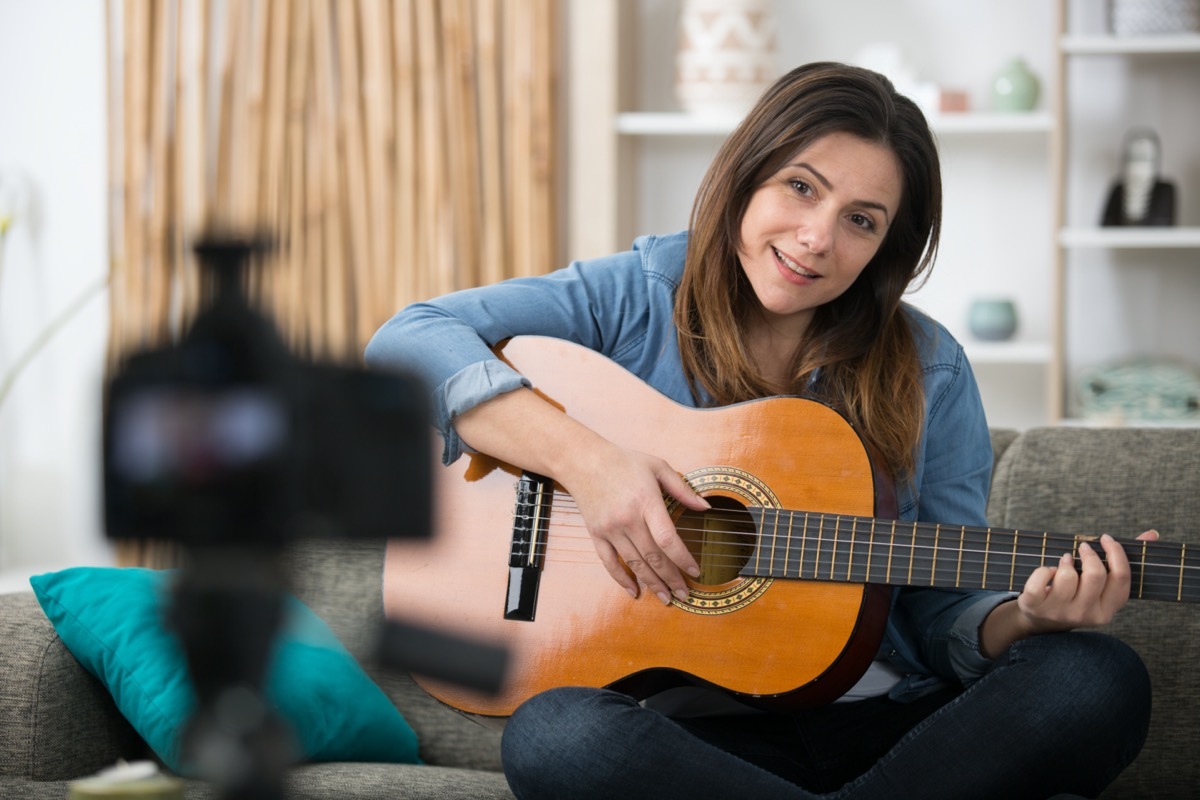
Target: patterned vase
[{"x": 726, "y": 55}]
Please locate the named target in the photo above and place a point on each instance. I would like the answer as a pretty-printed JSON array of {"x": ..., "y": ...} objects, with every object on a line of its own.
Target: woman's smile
[{"x": 792, "y": 269}]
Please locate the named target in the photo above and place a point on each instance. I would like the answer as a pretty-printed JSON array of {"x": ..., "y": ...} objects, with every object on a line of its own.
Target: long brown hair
[{"x": 861, "y": 342}]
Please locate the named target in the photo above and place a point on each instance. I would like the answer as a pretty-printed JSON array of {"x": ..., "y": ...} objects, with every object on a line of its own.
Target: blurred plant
[
  {"x": 14, "y": 207},
  {"x": 14, "y": 202}
]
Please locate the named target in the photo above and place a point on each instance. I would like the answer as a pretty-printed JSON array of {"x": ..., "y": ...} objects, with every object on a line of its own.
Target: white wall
[{"x": 52, "y": 132}]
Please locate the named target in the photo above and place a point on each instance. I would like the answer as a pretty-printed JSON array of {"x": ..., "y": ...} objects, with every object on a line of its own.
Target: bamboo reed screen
[{"x": 393, "y": 150}]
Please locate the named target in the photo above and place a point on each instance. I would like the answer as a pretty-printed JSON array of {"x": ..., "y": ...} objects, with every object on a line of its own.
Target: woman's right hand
[
  {"x": 620, "y": 496},
  {"x": 619, "y": 491}
]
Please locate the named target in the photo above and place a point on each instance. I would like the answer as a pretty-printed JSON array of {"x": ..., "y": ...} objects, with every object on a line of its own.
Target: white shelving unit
[
  {"x": 1152, "y": 79},
  {"x": 1130, "y": 238},
  {"x": 647, "y": 123},
  {"x": 1009, "y": 353},
  {"x": 1076, "y": 44}
]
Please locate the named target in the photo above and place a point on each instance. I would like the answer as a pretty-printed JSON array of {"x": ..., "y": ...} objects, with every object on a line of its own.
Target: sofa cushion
[
  {"x": 111, "y": 619},
  {"x": 56, "y": 721}
]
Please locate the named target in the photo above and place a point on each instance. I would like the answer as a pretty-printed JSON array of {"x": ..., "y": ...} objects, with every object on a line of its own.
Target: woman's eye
[
  {"x": 801, "y": 187},
  {"x": 862, "y": 221}
]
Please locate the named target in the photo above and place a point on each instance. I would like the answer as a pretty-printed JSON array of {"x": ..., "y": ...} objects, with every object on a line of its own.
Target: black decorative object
[{"x": 1139, "y": 196}]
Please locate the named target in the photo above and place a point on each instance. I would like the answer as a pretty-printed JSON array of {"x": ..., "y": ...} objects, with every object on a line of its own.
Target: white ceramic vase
[{"x": 726, "y": 55}]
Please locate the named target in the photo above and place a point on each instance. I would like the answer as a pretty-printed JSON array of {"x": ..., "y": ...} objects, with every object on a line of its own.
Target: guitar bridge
[{"x": 530, "y": 522}]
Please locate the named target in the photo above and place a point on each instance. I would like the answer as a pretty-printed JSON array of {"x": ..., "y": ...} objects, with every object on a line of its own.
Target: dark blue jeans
[{"x": 1061, "y": 713}]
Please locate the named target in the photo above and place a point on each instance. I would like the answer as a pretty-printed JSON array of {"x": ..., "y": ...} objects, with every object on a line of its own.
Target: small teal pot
[{"x": 992, "y": 320}]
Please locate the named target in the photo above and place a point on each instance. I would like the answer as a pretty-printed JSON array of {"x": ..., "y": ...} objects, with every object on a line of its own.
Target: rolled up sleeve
[{"x": 462, "y": 391}]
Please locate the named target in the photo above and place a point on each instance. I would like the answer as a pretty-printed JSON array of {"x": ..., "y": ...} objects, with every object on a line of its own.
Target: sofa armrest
[{"x": 56, "y": 720}]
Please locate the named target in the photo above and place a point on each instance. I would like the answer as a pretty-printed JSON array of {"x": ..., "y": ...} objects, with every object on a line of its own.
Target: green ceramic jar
[{"x": 1015, "y": 87}]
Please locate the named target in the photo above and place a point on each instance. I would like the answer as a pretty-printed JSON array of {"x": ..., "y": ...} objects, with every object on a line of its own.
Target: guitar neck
[{"x": 834, "y": 547}]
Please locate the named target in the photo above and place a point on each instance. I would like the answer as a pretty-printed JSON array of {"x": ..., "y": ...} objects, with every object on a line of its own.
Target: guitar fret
[
  {"x": 1012, "y": 569},
  {"x": 929, "y": 554},
  {"x": 870, "y": 551},
  {"x": 758, "y": 552},
  {"x": 849, "y": 542},
  {"x": 774, "y": 541},
  {"x": 987, "y": 550},
  {"x": 1182, "y": 561},
  {"x": 787, "y": 548},
  {"x": 1142, "y": 571},
  {"x": 859, "y": 566},
  {"x": 891, "y": 549},
  {"x": 853, "y": 544},
  {"x": 937, "y": 529},
  {"x": 816, "y": 560},
  {"x": 767, "y": 543},
  {"x": 912, "y": 554},
  {"x": 971, "y": 541},
  {"x": 850, "y": 547},
  {"x": 943, "y": 571},
  {"x": 833, "y": 551},
  {"x": 818, "y": 570},
  {"x": 962, "y": 537},
  {"x": 779, "y": 561},
  {"x": 803, "y": 544}
]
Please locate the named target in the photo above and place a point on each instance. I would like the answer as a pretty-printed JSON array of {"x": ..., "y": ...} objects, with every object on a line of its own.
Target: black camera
[
  {"x": 228, "y": 445},
  {"x": 226, "y": 438}
]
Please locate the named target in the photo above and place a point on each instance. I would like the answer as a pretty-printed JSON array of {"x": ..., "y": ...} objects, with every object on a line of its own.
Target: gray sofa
[{"x": 57, "y": 723}]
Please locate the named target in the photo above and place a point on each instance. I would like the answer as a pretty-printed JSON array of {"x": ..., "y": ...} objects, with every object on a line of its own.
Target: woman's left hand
[{"x": 1059, "y": 598}]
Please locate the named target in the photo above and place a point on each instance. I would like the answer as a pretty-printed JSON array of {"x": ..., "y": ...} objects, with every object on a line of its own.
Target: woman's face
[{"x": 810, "y": 229}]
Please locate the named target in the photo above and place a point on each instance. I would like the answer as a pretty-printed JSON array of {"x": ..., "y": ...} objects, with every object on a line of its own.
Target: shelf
[
  {"x": 1130, "y": 238},
  {"x": 645, "y": 123},
  {"x": 668, "y": 123},
  {"x": 1014, "y": 353},
  {"x": 989, "y": 122},
  {"x": 1107, "y": 44}
]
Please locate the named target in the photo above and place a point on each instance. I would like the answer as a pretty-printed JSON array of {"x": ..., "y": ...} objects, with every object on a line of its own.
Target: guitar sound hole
[{"x": 721, "y": 539}]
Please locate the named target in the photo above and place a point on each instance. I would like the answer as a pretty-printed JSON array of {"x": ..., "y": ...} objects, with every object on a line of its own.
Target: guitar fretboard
[{"x": 835, "y": 547}]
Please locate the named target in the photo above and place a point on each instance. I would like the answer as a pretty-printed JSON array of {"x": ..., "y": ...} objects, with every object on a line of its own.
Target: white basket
[{"x": 1139, "y": 17}]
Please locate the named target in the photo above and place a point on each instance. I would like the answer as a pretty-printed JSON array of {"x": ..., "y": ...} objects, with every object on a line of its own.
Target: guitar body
[{"x": 768, "y": 641}]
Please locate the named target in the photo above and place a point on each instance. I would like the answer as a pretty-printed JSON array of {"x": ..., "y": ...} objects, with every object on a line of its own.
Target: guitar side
[{"x": 781, "y": 642}]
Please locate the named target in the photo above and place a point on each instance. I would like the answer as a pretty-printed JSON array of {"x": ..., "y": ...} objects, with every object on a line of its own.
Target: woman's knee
[
  {"x": 1100, "y": 681},
  {"x": 563, "y": 726}
]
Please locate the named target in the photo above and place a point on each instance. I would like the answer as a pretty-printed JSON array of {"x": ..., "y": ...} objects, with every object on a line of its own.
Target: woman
[{"x": 817, "y": 214}]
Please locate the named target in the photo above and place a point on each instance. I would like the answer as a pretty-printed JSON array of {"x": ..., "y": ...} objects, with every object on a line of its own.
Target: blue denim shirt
[{"x": 621, "y": 306}]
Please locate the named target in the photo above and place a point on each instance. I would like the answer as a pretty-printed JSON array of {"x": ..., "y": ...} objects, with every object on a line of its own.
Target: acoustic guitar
[{"x": 797, "y": 555}]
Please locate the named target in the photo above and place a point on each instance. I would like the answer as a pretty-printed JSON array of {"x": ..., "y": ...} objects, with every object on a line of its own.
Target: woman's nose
[{"x": 816, "y": 233}]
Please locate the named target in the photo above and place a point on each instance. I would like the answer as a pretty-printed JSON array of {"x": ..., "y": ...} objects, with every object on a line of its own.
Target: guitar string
[
  {"x": 1155, "y": 575},
  {"x": 822, "y": 520},
  {"x": 971, "y": 555},
  {"x": 1163, "y": 577},
  {"x": 1050, "y": 558}
]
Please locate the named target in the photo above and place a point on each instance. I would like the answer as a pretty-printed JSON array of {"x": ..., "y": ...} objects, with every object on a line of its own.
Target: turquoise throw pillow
[{"x": 111, "y": 619}]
